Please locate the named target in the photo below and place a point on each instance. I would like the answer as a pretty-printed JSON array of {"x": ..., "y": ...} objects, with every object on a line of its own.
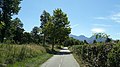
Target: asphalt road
[{"x": 62, "y": 59}]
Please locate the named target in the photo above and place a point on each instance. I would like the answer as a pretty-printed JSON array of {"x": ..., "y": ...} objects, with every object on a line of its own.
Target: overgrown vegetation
[
  {"x": 13, "y": 54},
  {"x": 98, "y": 55}
]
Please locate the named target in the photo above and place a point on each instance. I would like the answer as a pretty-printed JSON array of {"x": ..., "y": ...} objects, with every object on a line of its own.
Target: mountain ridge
[{"x": 88, "y": 39}]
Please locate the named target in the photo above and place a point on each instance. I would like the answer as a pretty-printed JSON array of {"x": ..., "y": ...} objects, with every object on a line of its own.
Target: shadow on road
[{"x": 63, "y": 53}]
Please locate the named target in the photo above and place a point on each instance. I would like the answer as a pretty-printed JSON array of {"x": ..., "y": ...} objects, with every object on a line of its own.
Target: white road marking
[
  {"x": 59, "y": 65},
  {"x": 61, "y": 62}
]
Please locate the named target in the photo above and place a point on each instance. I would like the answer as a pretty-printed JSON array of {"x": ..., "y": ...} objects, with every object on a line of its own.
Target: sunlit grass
[{"x": 13, "y": 54}]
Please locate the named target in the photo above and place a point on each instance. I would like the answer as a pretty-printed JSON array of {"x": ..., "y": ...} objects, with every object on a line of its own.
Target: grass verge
[
  {"x": 32, "y": 62},
  {"x": 26, "y": 55}
]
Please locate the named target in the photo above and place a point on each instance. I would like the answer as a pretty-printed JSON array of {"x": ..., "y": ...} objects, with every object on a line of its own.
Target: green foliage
[
  {"x": 101, "y": 35},
  {"x": 100, "y": 55},
  {"x": 17, "y": 30},
  {"x": 26, "y": 38},
  {"x": 114, "y": 56},
  {"x": 8, "y": 8},
  {"x": 85, "y": 42},
  {"x": 35, "y": 35},
  {"x": 108, "y": 40},
  {"x": 94, "y": 41},
  {"x": 1, "y": 24},
  {"x": 55, "y": 27},
  {"x": 71, "y": 41},
  {"x": 44, "y": 18},
  {"x": 35, "y": 31}
]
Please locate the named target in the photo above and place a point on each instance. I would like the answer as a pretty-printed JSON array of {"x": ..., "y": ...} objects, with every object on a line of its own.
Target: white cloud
[
  {"x": 74, "y": 25},
  {"x": 115, "y": 17},
  {"x": 98, "y": 30},
  {"x": 118, "y": 34},
  {"x": 102, "y": 25}
]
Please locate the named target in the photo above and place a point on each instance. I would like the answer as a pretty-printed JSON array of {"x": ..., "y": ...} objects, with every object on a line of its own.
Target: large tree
[
  {"x": 61, "y": 27},
  {"x": 44, "y": 18},
  {"x": 8, "y": 8},
  {"x": 55, "y": 27}
]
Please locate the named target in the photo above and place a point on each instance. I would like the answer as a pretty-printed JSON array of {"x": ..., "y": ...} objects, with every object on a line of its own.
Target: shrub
[{"x": 99, "y": 55}]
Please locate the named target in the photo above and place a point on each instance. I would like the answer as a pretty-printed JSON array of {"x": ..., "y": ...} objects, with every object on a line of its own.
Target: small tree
[
  {"x": 102, "y": 35},
  {"x": 85, "y": 42},
  {"x": 94, "y": 41},
  {"x": 108, "y": 40},
  {"x": 35, "y": 34}
]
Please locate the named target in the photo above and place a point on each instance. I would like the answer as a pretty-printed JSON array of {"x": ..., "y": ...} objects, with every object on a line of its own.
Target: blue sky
[{"x": 86, "y": 16}]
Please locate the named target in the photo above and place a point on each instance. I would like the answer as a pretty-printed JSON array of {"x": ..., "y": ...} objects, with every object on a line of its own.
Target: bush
[{"x": 99, "y": 55}]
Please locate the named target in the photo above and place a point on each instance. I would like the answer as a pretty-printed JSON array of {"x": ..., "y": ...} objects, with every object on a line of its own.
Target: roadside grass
[
  {"x": 25, "y": 55},
  {"x": 32, "y": 62}
]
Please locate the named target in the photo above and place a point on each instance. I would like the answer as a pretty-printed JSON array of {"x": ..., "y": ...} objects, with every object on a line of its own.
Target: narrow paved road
[{"x": 63, "y": 59}]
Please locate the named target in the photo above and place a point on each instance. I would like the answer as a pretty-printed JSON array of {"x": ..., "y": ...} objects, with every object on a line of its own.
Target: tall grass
[{"x": 9, "y": 54}]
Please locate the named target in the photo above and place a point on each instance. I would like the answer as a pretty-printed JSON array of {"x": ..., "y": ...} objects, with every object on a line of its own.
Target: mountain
[
  {"x": 89, "y": 40},
  {"x": 81, "y": 37}
]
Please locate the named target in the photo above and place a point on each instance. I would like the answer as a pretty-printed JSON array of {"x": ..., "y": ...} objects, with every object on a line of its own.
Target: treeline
[
  {"x": 53, "y": 30},
  {"x": 11, "y": 30},
  {"x": 18, "y": 46}
]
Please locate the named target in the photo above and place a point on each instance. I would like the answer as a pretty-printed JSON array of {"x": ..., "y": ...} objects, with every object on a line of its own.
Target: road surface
[{"x": 63, "y": 59}]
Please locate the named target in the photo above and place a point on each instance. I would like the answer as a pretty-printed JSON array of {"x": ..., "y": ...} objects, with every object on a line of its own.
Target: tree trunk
[
  {"x": 2, "y": 35},
  {"x": 53, "y": 44},
  {"x": 44, "y": 38}
]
